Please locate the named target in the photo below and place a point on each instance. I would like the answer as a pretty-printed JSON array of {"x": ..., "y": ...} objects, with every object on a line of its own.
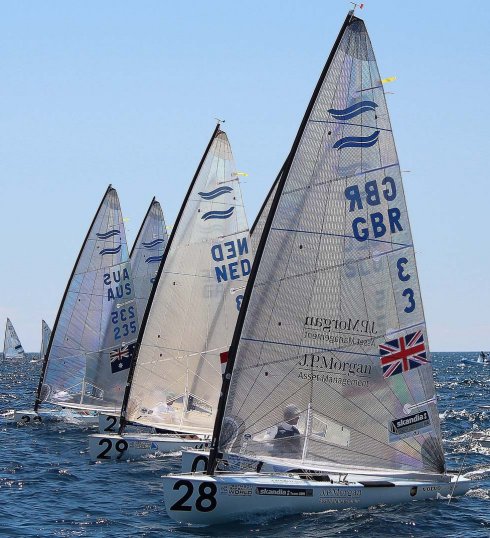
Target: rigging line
[
  {"x": 307, "y": 347},
  {"x": 351, "y": 124},
  {"x": 339, "y": 235},
  {"x": 367, "y": 89}
]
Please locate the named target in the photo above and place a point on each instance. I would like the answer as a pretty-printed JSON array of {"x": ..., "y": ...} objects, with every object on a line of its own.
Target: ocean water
[{"x": 48, "y": 486}]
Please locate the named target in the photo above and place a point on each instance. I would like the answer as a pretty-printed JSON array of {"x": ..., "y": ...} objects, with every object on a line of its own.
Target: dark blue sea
[{"x": 48, "y": 487}]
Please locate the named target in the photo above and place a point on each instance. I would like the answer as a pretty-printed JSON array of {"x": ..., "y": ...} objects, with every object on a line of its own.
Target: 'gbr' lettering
[{"x": 379, "y": 222}]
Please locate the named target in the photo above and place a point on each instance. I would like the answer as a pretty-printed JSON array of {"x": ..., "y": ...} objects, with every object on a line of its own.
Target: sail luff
[
  {"x": 63, "y": 300},
  {"x": 140, "y": 231},
  {"x": 157, "y": 279},
  {"x": 214, "y": 451}
]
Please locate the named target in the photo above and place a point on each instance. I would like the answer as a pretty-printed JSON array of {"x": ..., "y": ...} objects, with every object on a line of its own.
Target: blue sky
[{"x": 126, "y": 93}]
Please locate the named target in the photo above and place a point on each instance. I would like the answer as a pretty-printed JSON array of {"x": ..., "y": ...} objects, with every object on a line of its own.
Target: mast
[
  {"x": 55, "y": 326},
  {"x": 144, "y": 321},
  {"x": 214, "y": 450}
]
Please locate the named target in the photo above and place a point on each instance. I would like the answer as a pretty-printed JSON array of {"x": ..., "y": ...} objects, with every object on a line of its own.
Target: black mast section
[
  {"x": 53, "y": 332},
  {"x": 123, "y": 421},
  {"x": 214, "y": 451}
]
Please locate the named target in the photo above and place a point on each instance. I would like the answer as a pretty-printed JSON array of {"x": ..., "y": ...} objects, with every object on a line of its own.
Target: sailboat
[
  {"x": 482, "y": 359},
  {"x": 175, "y": 380},
  {"x": 329, "y": 372},
  {"x": 86, "y": 362},
  {"x": 12, "y": 348},
  {"x": 146, "y": 255},
  {"x": 45, "y": 336}
]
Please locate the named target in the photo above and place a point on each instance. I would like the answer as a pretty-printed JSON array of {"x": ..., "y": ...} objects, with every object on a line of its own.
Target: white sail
[
  {"x": 12, "y": 348},
  {"x": 90, "y": 351},
  {"x": 330, "y": 358},
  {"x": 45, "y": 336},
  {"x": 177, "y": 375},
  {"x": 146, "y": 254}
]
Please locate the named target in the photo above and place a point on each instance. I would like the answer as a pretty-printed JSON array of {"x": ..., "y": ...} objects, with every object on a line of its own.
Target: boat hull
[
  {"x": 474, "y": 361},
  {"x": 30, "y": 416},
  {"x": 137, "y": 446},
  {"x": 209, "y": 500}
]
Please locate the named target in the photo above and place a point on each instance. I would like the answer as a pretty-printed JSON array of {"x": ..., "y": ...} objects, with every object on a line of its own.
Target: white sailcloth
[
  {"x": 177, "y": 374},
  {"x": 12, "y": 348},
  {"x": 90, "y": 350},
  {"x": 45, "y": 336},
  {"x": 146, "y": 254},
  {"x": 330, "y": 359}
]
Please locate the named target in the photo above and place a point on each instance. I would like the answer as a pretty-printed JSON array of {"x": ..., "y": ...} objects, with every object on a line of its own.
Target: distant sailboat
[
  {"x": 329, "y": 381},
  {"x": 90, "y": 349},
  {"x": 12, "y": 348},
  {"x": 45, "y": 336},
  {"x": 175, "y": 381}
]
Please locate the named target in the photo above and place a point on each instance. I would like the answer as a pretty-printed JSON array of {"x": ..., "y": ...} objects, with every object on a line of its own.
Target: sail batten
[
  {"x": 12, "y": 348},
  {"x": 189, "y": 322},
  {"x": 330, "y": 359}
]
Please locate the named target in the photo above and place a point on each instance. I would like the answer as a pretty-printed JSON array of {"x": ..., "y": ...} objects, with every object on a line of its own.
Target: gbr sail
[
  {"x": 189, "y": 323},
  {"x": 12, "y": 348},
  {"x": 89, "y": 353},
  {"x": 45, "y": 336},
  {"x": 331, "y": 343},
  {"x": 146, "y": 254}
]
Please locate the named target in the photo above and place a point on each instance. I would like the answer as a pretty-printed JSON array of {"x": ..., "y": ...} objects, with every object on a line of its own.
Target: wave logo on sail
[
  {"x": 211, "y": 195},
  {"x": 226, "y": 214},
  {"x": 357, "y": 141},
  {"x": 114, "y": 250},
  {"x": 353, "y": 111},
  {"x": 403, "y": 354},
  {"x": 154, "y": 243},
  {"x": 154, "y": 259},
  {"x": 107, "y": 235}
]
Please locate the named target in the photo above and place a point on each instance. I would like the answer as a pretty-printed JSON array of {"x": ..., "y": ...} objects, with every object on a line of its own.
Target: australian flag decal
[
  {"x": 403, "y": 354},
  {"x": 121, "y": 358}
]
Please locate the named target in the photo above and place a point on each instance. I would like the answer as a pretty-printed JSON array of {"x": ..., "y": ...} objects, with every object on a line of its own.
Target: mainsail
[
  {"x": 12, "y": 348},
  {"x": 146, "y": 254},
  {"x": 90, "y": 349},
  {"x": 330, "y": 359},
  {"x": 188, "y": 325},
  {"x": 45, "y": 336}
]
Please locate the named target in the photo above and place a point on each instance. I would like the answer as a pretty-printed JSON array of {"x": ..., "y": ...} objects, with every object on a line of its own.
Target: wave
[
  {"x": 211, "y": 195},
  {"x": 154, "y": 243},
  {"x": 153, "y": 259},
  {"x": 106, "y": 235},
  {"x": 114, "y": 250},
  {"x": 353, "y": 111},
  {"x": 218, "y": 214},
  {"x": 357, "y": 141}
]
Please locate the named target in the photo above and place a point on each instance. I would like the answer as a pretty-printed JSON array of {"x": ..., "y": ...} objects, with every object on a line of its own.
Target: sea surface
[{"x": 48, "y": 486}]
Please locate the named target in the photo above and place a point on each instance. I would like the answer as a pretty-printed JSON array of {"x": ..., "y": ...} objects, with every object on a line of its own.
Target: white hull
[
  {"x": 137, "y": 446},
  {"x": 108, "y": 424},
  {"x": 482, "y": 438},
  {"x": 53, "y": 415},
  {"x": 210, "y": 500}
]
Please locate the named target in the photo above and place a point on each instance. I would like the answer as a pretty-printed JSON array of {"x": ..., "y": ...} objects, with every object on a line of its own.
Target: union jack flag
[
  {"x": 403, "y": 354},
  {"x": 121, "y": 358}
]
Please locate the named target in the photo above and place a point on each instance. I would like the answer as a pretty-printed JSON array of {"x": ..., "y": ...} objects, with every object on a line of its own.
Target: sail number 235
[{"x": 205, "y": 502}]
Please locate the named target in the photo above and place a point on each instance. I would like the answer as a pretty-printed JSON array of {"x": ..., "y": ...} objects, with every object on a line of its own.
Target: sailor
[{"x": 287, "y": 441}]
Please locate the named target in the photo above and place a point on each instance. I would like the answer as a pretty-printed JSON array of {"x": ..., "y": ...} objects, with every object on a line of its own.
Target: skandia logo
[
  {"x": 312, "y": 361},
  {"x": 363, "y": 326},
  {"x": 418, "y": 418}
]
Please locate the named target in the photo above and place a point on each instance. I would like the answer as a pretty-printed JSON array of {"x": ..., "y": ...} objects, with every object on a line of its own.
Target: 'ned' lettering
[
  {"x": 229, "y": 250},
  {"x": 232, "y": 270}
]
